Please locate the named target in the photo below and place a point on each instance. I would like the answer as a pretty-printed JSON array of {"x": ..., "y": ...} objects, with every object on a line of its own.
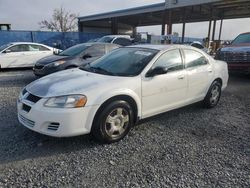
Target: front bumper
[{"x": 56, "y": 122}]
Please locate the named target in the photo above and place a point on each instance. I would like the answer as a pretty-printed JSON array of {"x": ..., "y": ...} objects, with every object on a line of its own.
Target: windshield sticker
[{"x": 143, "y": 53}]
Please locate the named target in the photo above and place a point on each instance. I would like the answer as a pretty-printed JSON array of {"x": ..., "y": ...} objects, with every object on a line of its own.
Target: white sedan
[
  {"x": 111, "y": 94},
  {"x": 23, "y": 54}
]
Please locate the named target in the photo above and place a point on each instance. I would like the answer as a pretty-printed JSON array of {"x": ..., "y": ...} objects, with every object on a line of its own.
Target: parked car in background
[
  {"x": 72, "y": 57},
  {"x": 109, "y": 95},
  {"x": 23, "y": 54},
  {"x": 93, "y": 40},
  {"x": 199, "y": 45},
  {"x": 122, "y": 40},
  {"x": 237, "y": 54}
]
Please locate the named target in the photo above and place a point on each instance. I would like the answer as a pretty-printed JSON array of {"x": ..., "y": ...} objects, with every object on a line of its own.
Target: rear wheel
[
  {"x": 113, "y": 122},
  {"x": 213, "y": 95}
]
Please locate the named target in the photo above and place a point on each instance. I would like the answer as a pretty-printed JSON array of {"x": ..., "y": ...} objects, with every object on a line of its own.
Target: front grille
[
  {"x": 39, "y": 66},
  {"x": 33, "y": 98},
  {"x": 26, "y": 121},
  {"x": 26, "y": 108},
  {"x": 235, "y": 57},
  {"x": 53, "y": 126}
]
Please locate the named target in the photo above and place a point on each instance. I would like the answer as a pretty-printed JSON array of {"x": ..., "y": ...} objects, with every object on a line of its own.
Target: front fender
[{"x": 128, "y": 92}]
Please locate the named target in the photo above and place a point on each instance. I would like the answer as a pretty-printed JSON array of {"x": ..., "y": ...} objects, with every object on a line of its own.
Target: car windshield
[
  {"x": 243, "y": 38},
  {"x": 122, "y": 62},
  {"x": 105, "y": 39},
  {"x": 4, "y": 46},
  {"x": 74, "y": 50}
]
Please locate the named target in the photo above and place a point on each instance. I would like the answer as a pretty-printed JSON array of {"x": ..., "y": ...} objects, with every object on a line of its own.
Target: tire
[
  {"x": 213, "y": 95},
  {"x": 113, "y": 122}
]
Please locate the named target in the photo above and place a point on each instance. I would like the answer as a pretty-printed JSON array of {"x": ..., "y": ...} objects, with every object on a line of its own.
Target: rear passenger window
[
  {"x": 171, "y": 60},
  {"x": 33, "y": 47},
  {"x": 194, "y": 58},
  {"x": 42, "y": 48},
  {"x": 122, "y": 41}
]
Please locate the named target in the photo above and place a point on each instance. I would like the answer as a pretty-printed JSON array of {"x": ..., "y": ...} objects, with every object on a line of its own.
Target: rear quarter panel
[{"x": 221, "y": 71}]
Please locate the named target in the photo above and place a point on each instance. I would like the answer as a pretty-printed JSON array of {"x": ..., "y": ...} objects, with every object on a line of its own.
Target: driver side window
[
  {"x": 171, "y": 60},
  {"x": 19, "y": 48}
]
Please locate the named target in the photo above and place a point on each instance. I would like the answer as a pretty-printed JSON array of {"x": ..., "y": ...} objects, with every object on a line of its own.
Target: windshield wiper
[
  {"x": 85, "y": 67},
  {"x": 101, "y": 70},
  {"x": 63, "y": 55},
  {"x": 88, "y": 68}
]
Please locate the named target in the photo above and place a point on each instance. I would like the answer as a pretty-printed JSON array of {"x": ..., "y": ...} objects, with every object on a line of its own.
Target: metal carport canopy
[{"x": 181, "y": 11}]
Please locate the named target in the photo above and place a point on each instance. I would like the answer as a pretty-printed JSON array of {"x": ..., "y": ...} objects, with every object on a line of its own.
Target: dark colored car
[
  {"x": 122, "y": 40},
  {"x": 72, "y": 57},
  {"x": 237, "y": 54}
]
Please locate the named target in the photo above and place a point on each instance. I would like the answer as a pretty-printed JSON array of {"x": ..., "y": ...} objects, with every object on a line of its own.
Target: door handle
[{"x": 181, "y": 77}]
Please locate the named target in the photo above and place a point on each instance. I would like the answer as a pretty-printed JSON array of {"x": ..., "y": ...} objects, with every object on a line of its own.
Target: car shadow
[{"x": 19, "y": 143}]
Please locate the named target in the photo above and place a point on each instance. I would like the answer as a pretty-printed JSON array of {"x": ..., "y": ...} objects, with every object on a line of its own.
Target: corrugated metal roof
[
  {"x": 182, "y": 10},
  {"x": 124, "y": 12}
]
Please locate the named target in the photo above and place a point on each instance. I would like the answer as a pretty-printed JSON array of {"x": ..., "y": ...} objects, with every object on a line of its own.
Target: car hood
[
  {"x": 236, "y": 48},
  {"x": 72, "y": 81},
  {"x": 52, "y": 58}
]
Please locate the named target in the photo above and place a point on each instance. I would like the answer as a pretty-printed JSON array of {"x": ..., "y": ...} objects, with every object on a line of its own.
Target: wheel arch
[
  {"x": 213, "y": 80},
  {"x": 129, "y": 99},
  {"x": 219, "y": 80}
]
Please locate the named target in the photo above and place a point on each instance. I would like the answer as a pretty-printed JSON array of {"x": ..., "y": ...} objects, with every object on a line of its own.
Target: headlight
[
  {"x": 70, "y": 101},
  {"x": 57, "y": 63},
  {"x": 22, "y": 93}
]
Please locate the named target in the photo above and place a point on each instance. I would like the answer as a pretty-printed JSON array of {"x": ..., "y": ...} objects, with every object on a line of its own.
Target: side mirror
[
  {"x": 55, "y": 52},
  {"x": 86, "y": 56},
  {"x": 227, "y": 43},
  {"x": 7, "y": 51},
  {"x": 156, "y": 71}
]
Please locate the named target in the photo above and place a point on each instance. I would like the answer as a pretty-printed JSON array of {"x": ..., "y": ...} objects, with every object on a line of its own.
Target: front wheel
[
  {"x": 113, "y": 122},
  {"x": 213, "y": 95}
]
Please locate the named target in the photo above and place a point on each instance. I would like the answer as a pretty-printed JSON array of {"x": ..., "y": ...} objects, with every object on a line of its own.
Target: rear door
[
  {"x": 36, "y": 52},
  {"x": 199, "y": 73}
]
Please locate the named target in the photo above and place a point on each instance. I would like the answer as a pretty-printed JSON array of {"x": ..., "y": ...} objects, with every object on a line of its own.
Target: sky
[{"x": 25, "y": 15}]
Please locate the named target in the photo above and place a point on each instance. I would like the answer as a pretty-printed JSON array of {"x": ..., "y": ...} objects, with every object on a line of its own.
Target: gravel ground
[{"x": 188, "y": 147}]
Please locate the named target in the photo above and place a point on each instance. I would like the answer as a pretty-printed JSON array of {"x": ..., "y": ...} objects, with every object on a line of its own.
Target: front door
[
  {"x": 14, "y": 56},
  {"x": 161, "y": 93}
]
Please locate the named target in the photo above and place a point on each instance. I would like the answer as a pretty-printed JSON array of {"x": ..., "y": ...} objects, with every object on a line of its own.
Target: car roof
[
  {"x": 122, "y": 36},
  {"x": 244, "y": 33},
  {"x": 28, "y": 43},
  {"x": 92, "y": 43},
  {"x": 161, "y": 47}
]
